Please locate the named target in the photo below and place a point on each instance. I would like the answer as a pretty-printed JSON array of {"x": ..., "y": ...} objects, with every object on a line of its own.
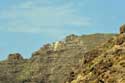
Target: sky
[{"x": 26, "y": 25}]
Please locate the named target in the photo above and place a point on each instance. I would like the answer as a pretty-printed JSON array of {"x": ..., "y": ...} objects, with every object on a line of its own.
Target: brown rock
[
  {"x": 90, "y": 55},
  {"x": 120, "y": 39},
  {"x": 15, "y": 56},
  {"x": 122, "y": 29}
]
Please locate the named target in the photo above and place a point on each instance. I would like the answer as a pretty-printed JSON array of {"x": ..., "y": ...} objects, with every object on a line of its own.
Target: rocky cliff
[
  {"x": 63, "y": 61},
  {"x": 104, "y": 64}
]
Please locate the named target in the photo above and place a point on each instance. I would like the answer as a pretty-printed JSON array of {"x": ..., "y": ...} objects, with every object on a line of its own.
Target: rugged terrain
[
  {"x": 104, "y": 64},
  {"x": 53, "y": 62}
]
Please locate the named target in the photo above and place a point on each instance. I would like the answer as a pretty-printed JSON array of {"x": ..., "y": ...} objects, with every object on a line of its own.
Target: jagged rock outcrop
[
  {"x": 122, "y": 29},
  {"x": 120, "y": 39},
  {"x": 52, "y": 62},
  {"x": 105, "y": 64},
  {"x": 10, "y": 69},
  {"x": 15, "y": 57}
]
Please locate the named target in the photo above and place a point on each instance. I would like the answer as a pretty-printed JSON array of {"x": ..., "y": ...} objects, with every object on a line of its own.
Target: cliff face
[
  {"x": 53, "y": 63},
  {"x": 104, "y": 64}
]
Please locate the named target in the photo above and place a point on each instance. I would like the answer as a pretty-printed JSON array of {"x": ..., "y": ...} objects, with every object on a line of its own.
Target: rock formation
[
  {"x": 122, "y": 29},
  {"x": 104, "y": 64},
  {"x": 121, "y": 37},
  {"x": 15, "y": 56},
  {"x": 52, "y": 63}
]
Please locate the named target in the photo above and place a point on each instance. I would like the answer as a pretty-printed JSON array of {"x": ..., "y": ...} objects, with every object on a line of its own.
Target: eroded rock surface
[
  {"x": 53, "y": 62},
  {"x": 104, "y": 64},
  {"x": 15, "y": 56}
]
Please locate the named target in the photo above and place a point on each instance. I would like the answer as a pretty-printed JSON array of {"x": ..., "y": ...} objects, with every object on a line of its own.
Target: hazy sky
[{"x": 25, "y": 25}]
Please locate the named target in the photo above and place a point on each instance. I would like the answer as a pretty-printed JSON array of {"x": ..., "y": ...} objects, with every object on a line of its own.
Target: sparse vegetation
[{"x": 48, "y": 65}]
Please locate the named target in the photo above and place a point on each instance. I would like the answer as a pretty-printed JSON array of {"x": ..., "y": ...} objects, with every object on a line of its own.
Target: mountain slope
[
  {"x": 52, "y": 62},
  {"x": 104, "y": 64}
]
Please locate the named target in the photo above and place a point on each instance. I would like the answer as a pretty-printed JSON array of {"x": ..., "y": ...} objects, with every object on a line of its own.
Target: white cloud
[{"x": 43, "y": 16}]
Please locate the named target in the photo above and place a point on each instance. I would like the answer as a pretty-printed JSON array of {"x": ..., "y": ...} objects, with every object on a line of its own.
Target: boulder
[
  {"x": 15, "y": 56},
  {"x": 122, "y": 29}
]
